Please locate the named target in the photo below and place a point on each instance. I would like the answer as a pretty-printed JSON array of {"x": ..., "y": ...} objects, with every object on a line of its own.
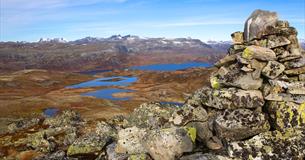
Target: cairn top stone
[{"x": 257, "y": 23}]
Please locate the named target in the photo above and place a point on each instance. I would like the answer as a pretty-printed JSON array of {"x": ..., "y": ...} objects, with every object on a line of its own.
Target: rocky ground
[{"x": 253, "y": 108}]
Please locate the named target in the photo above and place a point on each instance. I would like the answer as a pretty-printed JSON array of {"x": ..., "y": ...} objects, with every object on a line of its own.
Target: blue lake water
[
  {"x": 107, "y": 94},
  {"x": 125, "y": 81},
  {"x": 107, "y": 81},
  {"x": 50, "y": 112},
  {"x": 171, "y": 66}
]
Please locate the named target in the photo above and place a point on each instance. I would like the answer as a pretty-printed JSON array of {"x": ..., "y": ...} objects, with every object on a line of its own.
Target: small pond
[
  {"x": 108, "y": 94},
  {"x": 50, "y": 112}
]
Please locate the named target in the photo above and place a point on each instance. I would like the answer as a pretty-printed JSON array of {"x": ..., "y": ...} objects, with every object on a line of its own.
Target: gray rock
[
  {"x": 296, "y": 63},
  {"x": 297, "y": 87},
  {"x": 273, "y": 69},
  {"x": 295, "y": 71},
  {"x": 204, "y": 156},
  {"x": 204, "y": 134},
  {"x": 151, "y": 115},
  {"x": 58, "y": 155},
  {"x": 282, "y": 24},
  {"x": 237, "y": 37},
  {"x": 228, "y": 59},
  {"x": 90, "y": 143},
  {"x": 130, "y": 141},
  {"x": 232, "y": 98},
  {"x": 259, "y": 53},
  {"x": 258, "y": 66},
  {"x": 188, "y": 114},
  {"x": 257, "y": 23},
  {"x": 67, "y": 117},
  {"x": 233, "y": 76},
  {"x": 286, "y": 97},
  {"x": 23, "y": 124},
  {"x": 277, "y": 41},
  {"x": 239, "y": 124},
  {"x": 288, "y": 144},
  {"x": 170, "y": 143},
  {"x": 302, "y": 77},
  {"x": 112, "y": 155}
]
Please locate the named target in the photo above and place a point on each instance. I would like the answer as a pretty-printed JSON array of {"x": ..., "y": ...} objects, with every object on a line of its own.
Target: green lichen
[
  {"x": 247, "y": 54},
  {"x": 268, "y": 149},
  {"x": 302, "y": 113},
  {"x": 214, "y": 83},
  {"x": 137, "y": 157},
  {"x": 192, "y": 133},
  {"x": 82, "y": 149}
]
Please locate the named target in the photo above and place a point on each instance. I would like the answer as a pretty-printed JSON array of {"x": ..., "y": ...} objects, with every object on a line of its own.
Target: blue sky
[{"x": 73, "y": 19}]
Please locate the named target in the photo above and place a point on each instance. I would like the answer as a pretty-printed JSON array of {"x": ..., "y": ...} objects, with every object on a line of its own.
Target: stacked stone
[{"x": 261, "y": 78}]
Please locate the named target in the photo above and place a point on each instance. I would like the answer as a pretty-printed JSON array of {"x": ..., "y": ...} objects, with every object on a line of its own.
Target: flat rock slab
[
  {"x": 232, "y": 98},
  {"x": 296, "y": 87},
  {"x": 280, "y": 97},
  {"x": 259, "y": 53},
  {"x": 273, "y": 69},
  {"x": 287, "y": 144},
  {"x": 239, "y": 124}
]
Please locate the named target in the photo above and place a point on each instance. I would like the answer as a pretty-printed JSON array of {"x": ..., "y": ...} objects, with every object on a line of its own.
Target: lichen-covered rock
[
  {"x": 188, "y": 114},
  {"x": 296, "y": 87},
  {"x": 88, "y": 144},
  {"x": 287, "y": 144},
  {"x": 296, "y": 71},
  {"x": 296, "y": 63},
  {"x": 151, "y": 115},
  {"x": 256, "y": 24},
  {"x": 273, "y": 69},
  {"x": 237, "y": 37},
  {"x": 233, "y": 76},
  {"x": 258, "y": 66},
  {"x": 302, "y": 77},
  {"x": 232, "y": 98},
  {"x": 277, "y": 41},
  {"x": 139, "y": 157},
  {"x": 286, "y": 114},
  {"x": 286, "y": 97},
  {"x": 204, "y": 156},
  {"x": 170, "y": 143},
  {"x": 130, "y": 140},
  {"x": 259, "y": 53},
  {"x": 58, "y": 155},
  {"x": 23, "y": 124},
  {"x": 105, "y": 129},
  {"x": 112, "y": 155},
  {"x": 67, "y": 117},
  {"x": 228, "y": 59},
  {"x": 239, "y": 124}
]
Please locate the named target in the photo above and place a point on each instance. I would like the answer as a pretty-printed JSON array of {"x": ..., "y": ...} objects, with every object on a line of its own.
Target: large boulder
[
  {"x": 170, "y": 143},
  {"x": 151, "y": 115},
  {"x": 67, "y": 117},
  {"x": 90, "y": 143},
  {"x": 130, "y": 140},
  {"x": 287, "y": 144},
  {"x": 239, "y": 124},
  {"x": 232, "y": 98},
  {"x": 189, "y": 113},
  {"x": 286, "y": 114},
  {"x": 256, "y": 24}
]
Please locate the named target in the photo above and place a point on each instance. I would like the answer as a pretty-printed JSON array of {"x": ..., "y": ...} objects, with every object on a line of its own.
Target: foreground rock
[
  {"x": 240, "y": 124},
  {"x": 287, "y": 144}
]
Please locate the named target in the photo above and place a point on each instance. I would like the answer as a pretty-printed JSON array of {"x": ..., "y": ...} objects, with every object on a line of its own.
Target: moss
[
  {"x": 192, "y": 133},
  {"x": 247, "y": 54},
  {"x": 214, "y": 83}
]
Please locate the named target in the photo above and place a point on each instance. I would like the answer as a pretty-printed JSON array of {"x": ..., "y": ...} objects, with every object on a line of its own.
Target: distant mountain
[{"x": 106, "y": 53}]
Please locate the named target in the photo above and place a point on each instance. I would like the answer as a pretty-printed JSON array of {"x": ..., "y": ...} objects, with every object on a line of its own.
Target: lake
[
  {"x": 171, "y": 66},
  {"x": 125, "y": 81}
]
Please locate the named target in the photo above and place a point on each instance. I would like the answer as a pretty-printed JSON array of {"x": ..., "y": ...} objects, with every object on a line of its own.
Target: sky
[{"x": 30, "y": 20}]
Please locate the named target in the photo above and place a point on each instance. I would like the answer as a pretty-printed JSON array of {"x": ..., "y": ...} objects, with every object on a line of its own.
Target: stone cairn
[{"x": 254, "y": 109}]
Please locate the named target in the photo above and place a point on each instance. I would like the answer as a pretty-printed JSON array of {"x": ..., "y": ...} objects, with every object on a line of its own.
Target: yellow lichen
[
  {"x": 138, "y": 157},
  {"x": 192, "y": 133},
  {"x": 268, "y": 149},
  {"x": 302, "y": 113},
  {"x": 247, "y": 54},
  {"x": 214, "y": 83}
]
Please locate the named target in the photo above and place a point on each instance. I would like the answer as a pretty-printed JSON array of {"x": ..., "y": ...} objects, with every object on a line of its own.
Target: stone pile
[{"x": 254, "y": 109}]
